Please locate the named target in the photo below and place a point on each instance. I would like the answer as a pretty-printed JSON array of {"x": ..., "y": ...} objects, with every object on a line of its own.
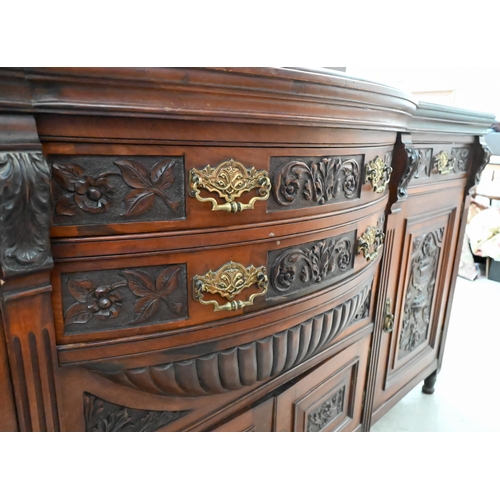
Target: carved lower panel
[
  {"x": 104, "y": 189},
  {"x": 103, "y": 416},
  {"x": 313, "y": 181},
  {"x": 303, "y": 266},
  {"x": 420, "y": 291},
  {"x": 243, "y": 366},
  {"x": 326, "y": 412},
  {"x": 24, "y": 203},
  {"x": 116, "y": 298}
]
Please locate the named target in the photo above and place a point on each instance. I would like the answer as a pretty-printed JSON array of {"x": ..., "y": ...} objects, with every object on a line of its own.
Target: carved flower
[
  {"x": 286, "y": 276},
  {"x": 89, "y": 194},
  {"x": 289, "y": 188},
  {"x": 344, "y": 255},
  {"x": 104, "y": 302},
  {"x": 101, "y": 302}
]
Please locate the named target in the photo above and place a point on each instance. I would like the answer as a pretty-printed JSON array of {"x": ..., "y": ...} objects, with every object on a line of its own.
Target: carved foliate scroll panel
[
  {"x": 313, "y": 264},
  {"x": 117, "y": 298},
  {"x": 420, "y": 291},
  {"x": 103, "y": 416},
  {"x": 314, "y": 181},
  {"x": 104, "y": 189},
  {"x": 24, "y": 213}
]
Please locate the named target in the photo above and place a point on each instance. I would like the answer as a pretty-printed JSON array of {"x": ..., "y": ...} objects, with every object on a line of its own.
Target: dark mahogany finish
[{"x": 223, "y": 249}]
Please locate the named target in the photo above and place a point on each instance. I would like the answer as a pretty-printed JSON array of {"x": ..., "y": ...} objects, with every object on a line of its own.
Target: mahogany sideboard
[{"x": 224, "y": 249}]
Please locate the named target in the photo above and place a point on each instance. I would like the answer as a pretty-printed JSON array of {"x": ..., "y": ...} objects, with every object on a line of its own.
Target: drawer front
[
  {"x": 128, "y": 296},
  {"x": 201, "y": 187},
  {"x": 257, "y": 419},
  {"x": 329, "y": 399}
]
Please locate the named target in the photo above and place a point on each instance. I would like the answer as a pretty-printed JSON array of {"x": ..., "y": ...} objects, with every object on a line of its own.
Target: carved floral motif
[
  {"x": 94, "y": 194},
  {"x": 105, "y": 301}
]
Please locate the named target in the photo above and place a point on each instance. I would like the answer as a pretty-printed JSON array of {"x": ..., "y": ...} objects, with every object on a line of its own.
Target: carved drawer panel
[
  {"x": 122, "y": 296},
  {"x": 440, "y": 162},
  {"x": 329, "y": 398},
  {"x": 189, "y": 188}
]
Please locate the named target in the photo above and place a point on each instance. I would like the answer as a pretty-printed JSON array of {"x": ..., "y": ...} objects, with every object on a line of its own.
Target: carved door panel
[
  {"x": 421, "y": 239},
  {"x": 256, "y": 419},
  {"x": 329, "y": 399}
]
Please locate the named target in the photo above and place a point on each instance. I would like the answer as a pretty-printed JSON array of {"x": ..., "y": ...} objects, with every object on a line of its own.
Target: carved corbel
[{"x": 411, "y": 168}]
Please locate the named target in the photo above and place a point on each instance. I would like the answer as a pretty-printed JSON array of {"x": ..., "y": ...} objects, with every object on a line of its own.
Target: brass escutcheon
[
  {"x": 230, "y": 179},
  {"x": 389, "y": 317},
  {"x": 378, "y": 174},
  {"x": 370, "y": 242},
  {"x": 444, "y": 163},
  {"x": 228, "y": 281}
]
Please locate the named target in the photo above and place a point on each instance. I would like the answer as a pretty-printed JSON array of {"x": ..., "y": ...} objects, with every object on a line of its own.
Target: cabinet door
[
  {"x": 422, "y": 241},
  {"x": 329, "y": 398},
  {"x": 257, "y": 419}
]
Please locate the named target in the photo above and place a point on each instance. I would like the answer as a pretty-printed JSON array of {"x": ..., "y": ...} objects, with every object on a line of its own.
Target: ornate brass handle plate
[
  {"x": 370, "y": 242},
  {"x": 444, "y": 163},
  {"x": 378, "y": 174},
  {"x": 230, "y": 180},
  {"x": 389, "y": 317},
  {"x": 228, "y": 281}
]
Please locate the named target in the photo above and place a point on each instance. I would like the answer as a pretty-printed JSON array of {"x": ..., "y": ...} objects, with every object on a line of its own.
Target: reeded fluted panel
[{"x": 244, "y": 365}]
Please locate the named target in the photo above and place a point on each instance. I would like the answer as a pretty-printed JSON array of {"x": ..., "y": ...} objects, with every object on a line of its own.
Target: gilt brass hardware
[
  {"x": 2, "y": 282},
  {"x": 370, "y": 242},
  {"x": 230, "y": 180},
  {"x": 444, "y": 163},
  {"x": 228, "y": 281},
  {"x": 389, "y": 317},
  {"x": 378, "y": 174}
]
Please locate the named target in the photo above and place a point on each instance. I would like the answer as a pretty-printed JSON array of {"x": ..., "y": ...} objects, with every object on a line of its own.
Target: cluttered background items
[{"x": 481, "y": 247}]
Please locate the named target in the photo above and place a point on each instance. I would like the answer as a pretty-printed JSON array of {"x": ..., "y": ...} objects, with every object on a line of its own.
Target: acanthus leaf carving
[
  {"x": 318, "y": 181},
  {"x": 24, "y": 212},
  {"x": 312, "y": 263},
  {"x": 103, "y": 416}
]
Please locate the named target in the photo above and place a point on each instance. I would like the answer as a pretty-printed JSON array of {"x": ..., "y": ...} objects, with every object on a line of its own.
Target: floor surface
[{"x": 466, "y": 397}]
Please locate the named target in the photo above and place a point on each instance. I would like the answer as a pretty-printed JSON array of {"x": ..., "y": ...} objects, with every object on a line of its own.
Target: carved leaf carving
[
  {"x": 135, "y": 174},
  {"x": 24, "y": 211},
  {"x": 103, "y": 416},
  {"x": 138, "y": 202}
]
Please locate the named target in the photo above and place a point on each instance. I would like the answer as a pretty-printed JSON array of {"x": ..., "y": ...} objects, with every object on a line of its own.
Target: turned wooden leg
[{"x": 428, "y": 387}]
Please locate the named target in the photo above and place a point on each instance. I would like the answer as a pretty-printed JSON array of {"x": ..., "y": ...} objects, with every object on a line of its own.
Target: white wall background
[{"x": 470, "y": 88}]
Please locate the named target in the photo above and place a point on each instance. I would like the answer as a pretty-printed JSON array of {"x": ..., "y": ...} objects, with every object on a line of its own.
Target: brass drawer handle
[
  {"x": 389, "y": 317},
  {"x": 370, "y": 242},
  {"x": 378, "y": 174},
  {"x": 230, "y": 180},
  {"x": 228, "y": 281},
  {"x": 444, "y": 163}
]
